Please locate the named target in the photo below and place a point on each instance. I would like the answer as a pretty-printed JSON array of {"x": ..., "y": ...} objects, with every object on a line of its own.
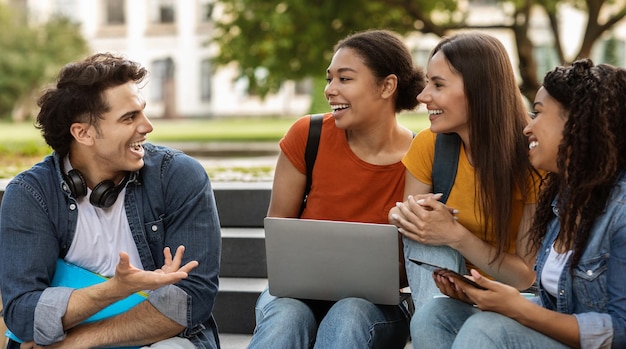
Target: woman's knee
[
  {"x": 435, "y": 310},
  {"x": 352, "y": 305},
  {"x": 286, "y": 311},
  {"x": 484, "y": 319},
  {"x": 356, "y": 322},
  {"x": 361, "y": 313},
  {"x": 484, "y": 327},
  {"x": 441, "y": 314},
  {"x": 350, "y": 313}
]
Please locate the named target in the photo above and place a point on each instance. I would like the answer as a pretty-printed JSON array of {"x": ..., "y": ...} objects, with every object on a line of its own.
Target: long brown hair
[
  {"x": 591, "y": 155},
  {"x": 496, "y": 119}
]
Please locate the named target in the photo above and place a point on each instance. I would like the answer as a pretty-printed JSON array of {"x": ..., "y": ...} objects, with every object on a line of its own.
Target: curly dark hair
[
  {"x": 384, "y": 53},
  {"x": 591, "y": 155},
  {"x": 78, "y": 96}
]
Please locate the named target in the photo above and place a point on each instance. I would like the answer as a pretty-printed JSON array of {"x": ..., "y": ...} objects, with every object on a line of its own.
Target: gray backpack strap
[
  {"x": 445, "y": 164},
  {"x": 310, "y": 153}
]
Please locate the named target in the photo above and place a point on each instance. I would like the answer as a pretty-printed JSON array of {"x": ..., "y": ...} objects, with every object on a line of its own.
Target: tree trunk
[{"x": 525, "y": 48}]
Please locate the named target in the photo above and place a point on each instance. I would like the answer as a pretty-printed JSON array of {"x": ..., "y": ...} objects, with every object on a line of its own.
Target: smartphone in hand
[{"x": 446, "y": 273}]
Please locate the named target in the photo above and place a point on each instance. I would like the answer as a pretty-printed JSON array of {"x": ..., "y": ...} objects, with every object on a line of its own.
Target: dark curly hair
[
  {"x": 384, "y": 53},
  {"x": 78, "y": 96},
  {"x": 591, "y": 154}
]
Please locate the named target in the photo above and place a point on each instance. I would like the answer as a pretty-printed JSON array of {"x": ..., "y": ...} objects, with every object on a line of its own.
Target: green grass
[
  {"x": 241, "y": 130},
  {"x": 222, "y": 130},
  {"x": 20, "y": 138},
  {"x": 21, "y": 144}
]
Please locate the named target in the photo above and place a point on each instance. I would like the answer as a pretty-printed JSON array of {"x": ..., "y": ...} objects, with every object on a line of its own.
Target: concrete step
[
  {"x": 243, "y": 274},
  {"x": 235, "y": 302},
  {"x": 241, "y": 207},
  {"x": 241, "y": 204},
  {"x": 240, "y": 341},
  {"x": 234, "y": 340},
  {"x": 243, "y": 253}
]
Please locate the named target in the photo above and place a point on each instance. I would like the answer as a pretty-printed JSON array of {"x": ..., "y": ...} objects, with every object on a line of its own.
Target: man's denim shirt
[
  {"x": 596, "y": 292},
  {"x": 169, "y": 202}
]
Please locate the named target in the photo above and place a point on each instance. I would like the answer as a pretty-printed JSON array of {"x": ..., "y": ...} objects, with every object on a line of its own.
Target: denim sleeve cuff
[
  {"x": 595, "y": 330},
  {"x": 171, "y": 301},
  {"x": 49, "y": 311}
]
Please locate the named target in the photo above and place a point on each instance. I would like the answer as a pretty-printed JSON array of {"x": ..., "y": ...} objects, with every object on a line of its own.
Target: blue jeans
[
  {"x": 423, "y": 287},
  {"x": 349, "y": 323},
  {"x": 449, "y": 323},
  {"x": 421, "y": 282}
]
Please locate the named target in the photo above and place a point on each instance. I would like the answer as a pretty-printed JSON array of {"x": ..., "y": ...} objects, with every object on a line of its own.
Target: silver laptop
[{"x": 331, "y": 260}]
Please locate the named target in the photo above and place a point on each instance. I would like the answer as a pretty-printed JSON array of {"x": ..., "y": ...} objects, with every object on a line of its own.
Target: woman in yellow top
[{"x": 472, "y": 92}]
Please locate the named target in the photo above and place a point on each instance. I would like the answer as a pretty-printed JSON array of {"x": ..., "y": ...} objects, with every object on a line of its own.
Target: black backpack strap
[
  {"x": 445, "y": 164},
  {"x": 310, "y": 154}
]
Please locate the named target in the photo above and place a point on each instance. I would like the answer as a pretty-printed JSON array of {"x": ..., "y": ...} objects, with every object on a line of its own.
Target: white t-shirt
[
  {"x": 101, "y": 234},
  {"x": 552, "y": 270}
]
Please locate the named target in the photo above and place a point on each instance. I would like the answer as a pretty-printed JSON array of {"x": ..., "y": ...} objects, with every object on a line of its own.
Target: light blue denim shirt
[
  {"x": 596, "y": 292},
  {"x": 169, "y": 202}
]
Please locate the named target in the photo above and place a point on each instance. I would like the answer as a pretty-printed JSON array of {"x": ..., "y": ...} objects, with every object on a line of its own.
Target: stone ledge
[{"x": 254, "y": 285}]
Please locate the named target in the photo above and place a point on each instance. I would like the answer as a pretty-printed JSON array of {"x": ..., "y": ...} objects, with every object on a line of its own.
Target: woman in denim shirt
[
  {"x": 157, "y": 199},
  {"x": 579, "y": 230}
]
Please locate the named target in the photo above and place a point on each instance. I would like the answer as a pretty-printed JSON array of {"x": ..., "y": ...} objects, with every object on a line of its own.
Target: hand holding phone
[{"x": 445, "y": 272}]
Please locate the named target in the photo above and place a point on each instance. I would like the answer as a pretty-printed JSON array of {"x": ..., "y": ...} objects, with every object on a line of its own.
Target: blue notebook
[{"x": 70, "y": 275}]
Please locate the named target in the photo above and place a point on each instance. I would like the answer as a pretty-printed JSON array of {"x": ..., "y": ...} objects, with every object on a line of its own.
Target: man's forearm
[
  {"x": 141, "y": 325},
  {"x": 127, "y": 280},
  {"x": 85, "y": 302}
]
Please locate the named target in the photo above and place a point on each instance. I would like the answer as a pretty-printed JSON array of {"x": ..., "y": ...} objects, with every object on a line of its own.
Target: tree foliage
[
  {"x": 274, "y": 41},
  {"x": 293, "y": 39},
  {"x": 31, "y": 57}
]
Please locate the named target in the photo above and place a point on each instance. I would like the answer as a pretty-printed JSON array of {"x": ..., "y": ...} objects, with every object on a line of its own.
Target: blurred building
[{"x": 171, "y": 38}]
